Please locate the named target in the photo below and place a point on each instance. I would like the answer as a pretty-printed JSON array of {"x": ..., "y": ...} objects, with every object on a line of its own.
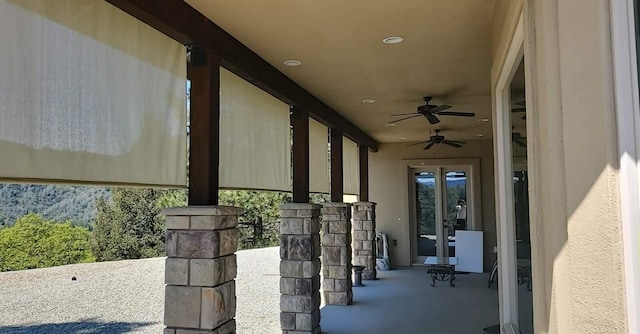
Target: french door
[{"x": 439, "y": 196}]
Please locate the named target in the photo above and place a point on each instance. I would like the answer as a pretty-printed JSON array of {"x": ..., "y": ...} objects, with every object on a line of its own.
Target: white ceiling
[{"x": 446, "y": 54}]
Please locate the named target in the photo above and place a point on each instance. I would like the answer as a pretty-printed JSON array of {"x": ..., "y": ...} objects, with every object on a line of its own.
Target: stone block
[
  {"x": 338, "y": 272},
  {"x": 342, "y": 285},
  {"x": 211, "y": 272},
  {"x": 356, "y": 244},
  {"x": 198, "y": 244},
  {"x": 228, "y": 241},
  {"x": 307, "y": 286},
  {"x": 182, "y": 306},
  {"x": 338, "y": 298},
  {"x": 287, "y": 285},
  {"x": 287, "y": 320},
  {"x": 371, "y": 235},
  {"x": 218, "y": 305},
  {"x": 307, "y": 321},
  {"x": 288, "y": 213},
  {"x": 298, "y": 304},
  {"x": 331, "y": 256},
  {"x": 311, "y": 225},
  {"x": 311, "y": 268},
  {"x": 296, "y": 247},
  {"x": 328, "y": 239},
  {"x": 325, "y": 226},
  {"x": 342, "y": 239},
  {"x": 339, "y": 227},
  {"x": 362, "y": 252},
  {"x": 176, "y": 271},
  {"x": 360, "y": 235},
  {"x": 213, "y": 222},
  {"x": 368, "y": 274},
  {"x": 358, "y": 225},
  {"x": 367, "y": 246},
  {"x": 177, "y": 222},
  {"x": 308, "y": 213},
  {"x": 345, "y": 256},
  {"x": 360, "y": 215},
  {"x": 359, "y": 260},
  {"x": 332, "y": 218},
  {"x": 328, "y": 284},
  {"x": 291, "y": 226},
  {"x": 169, "y": 331},
  {"x": 367, "y": 225},
  {"x": 171, "y": 243},
  {"x": 227, "y": 328},
  {"x": 290, "y": 268}
]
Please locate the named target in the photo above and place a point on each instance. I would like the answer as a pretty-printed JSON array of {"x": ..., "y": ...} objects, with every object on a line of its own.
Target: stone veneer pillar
[
  {"x": 200, "y": 292},
  {"x": 300, "y": 268},
  {"x": 364, "y": 238},
  {"x": 336, "y": 254}
]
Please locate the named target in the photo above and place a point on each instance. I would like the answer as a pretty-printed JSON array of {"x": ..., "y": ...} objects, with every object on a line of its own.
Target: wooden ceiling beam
[{"x": 178, "y": 20}]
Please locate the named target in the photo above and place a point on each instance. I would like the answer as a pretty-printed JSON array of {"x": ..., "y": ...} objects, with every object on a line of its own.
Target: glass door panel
[
  {"x": 426, "y": 215},
  {"x": 456, "y": 205}
]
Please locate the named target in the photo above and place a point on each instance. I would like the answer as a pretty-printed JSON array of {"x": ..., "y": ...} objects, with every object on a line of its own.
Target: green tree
[
  {"x": 129, "y": 226},
  {"x": 35, "y": 243}
]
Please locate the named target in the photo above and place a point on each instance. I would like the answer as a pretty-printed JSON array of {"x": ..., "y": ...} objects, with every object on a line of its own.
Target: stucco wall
[
  {"x": 577, "y": 254},
  {"x": 386, "y": 188}
]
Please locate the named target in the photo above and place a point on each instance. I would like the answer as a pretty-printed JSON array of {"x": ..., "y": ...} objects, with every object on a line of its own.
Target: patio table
[{"x": 442, "y": 269}]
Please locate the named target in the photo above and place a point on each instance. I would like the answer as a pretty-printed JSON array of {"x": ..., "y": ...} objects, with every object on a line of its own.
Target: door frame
[
  {"x": 474, "y": 205},
  {"x": 505, "y": 211},
  {"x": 627, "y": 108}
]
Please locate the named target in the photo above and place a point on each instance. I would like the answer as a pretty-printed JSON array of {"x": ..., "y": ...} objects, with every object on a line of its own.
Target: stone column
[
  {"x": 200, "y": 292},
  {"x": 300, "y": 268},
  {"x": 364, "y": 238},
  {"x": 336, "y": 253}
]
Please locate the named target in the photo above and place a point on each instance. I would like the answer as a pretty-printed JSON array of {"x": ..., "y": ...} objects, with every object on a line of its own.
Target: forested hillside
[{"x": 60, "y": 203}]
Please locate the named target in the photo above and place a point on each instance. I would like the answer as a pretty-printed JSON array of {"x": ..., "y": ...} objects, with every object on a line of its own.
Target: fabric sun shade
[
  {"x": 89, "y": 94},
  {"x": 351, "y": 181},
  {"x": 255, "y": 143},
  {"x": 318, "y": 157}
]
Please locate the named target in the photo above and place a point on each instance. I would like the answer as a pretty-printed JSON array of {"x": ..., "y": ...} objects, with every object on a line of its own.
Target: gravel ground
[{"x": 126, "y": 297}]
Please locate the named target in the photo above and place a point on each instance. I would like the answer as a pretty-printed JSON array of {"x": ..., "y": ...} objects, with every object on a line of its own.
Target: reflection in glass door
[
  {"x": 456, "y": 205},
  {"x": 426, "y": 193}
]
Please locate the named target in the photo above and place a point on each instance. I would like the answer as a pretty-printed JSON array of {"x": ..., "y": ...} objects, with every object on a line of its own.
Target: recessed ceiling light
[
  {"x": 392, "y": 40},
  {"x": 390, "y": 124},
  {"x": 480, "y": 135},
  {"x": 483, "y": 120},
  {"x": 292, "y": 62},
  {"x": 368, "y": 101},
  {"x": 403, "y": 138}
]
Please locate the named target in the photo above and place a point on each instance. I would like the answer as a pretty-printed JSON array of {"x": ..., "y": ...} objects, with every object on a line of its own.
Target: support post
[
  {"x": 204, "y": 137},
  {"x": 336, "y": 254},
  {"x": 364, "y": 238},
  {"x": 336, "y": 165},
  {"x": 200, "y": 291},
  {"x": 300, "y": 268},
  {"x": 300, "y": 124},
  {"x": 363, "y": 156}
]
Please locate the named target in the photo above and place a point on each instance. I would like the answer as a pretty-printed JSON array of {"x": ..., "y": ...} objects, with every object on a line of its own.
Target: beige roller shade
[
  {"x": 318, "y": 157},
  {"x": 351, "y": 181},
  {"x": 255, "y": 147},
  {"x": 88, "y": 94}
]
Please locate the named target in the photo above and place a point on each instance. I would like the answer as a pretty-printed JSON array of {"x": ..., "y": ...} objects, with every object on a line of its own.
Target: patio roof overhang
[{"x": 178, "y": 20}]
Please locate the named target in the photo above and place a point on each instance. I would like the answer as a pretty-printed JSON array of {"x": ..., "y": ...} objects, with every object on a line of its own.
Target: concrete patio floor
[{"x": 403, "y": 301}]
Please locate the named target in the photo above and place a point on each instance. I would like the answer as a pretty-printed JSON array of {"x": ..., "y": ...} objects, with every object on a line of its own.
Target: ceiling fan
[
  {"x": 438, "y": 139},
  {"x": 430, "y": 111}
]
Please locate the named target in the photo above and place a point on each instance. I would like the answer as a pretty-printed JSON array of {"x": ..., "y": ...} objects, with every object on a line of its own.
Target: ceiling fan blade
[
  {"x": 406, "y": 114},
  {"x": 519, "y": 110},
  {"x": 456, "y": 141},
  {"x": 432, "y": 119},
  {"x": 422, "y": 142},
  {"x": 456, "y": 113},
  {"x": 402, "y": 119},
  {"x": 429, "y": 146},
  {"x": 521, "y": 103},
  {"x": 520, "y": 143},
  {"x": 450, "y": 143},
  {"x": 440, "y": 108}
]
